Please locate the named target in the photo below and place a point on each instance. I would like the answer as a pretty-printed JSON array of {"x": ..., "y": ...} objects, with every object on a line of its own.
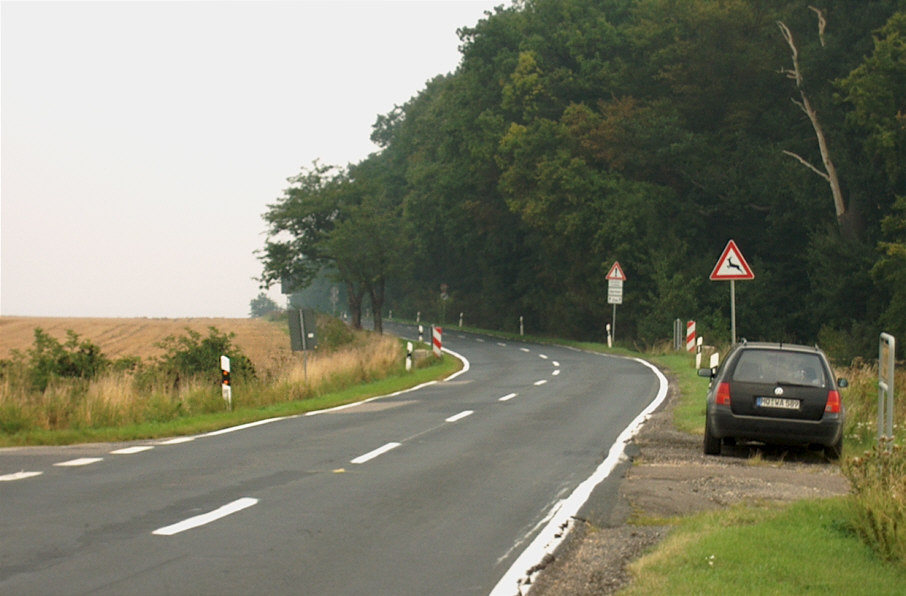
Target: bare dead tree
[{"x": 829, "y": 173}]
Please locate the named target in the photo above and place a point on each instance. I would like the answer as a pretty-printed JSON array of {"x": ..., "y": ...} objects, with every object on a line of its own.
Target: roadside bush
[
  {"x": 48, "y": 359},
  {"x": 878, "y": 481},
  {"x": 193, "y": 357}
]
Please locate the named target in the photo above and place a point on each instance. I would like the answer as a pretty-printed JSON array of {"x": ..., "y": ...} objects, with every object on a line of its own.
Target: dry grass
[
  {"x": 115, "y": 399},
  {"x": 266, "y": 344}
]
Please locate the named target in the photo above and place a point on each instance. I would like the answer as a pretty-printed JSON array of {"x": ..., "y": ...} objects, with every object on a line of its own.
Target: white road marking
[
  {"x": 542, "y": 356},
  {"x": 244, "y": 426},
  {"x": 526, "y": 350},
  {"x": 82, "y": 461},
  {"x": 19, "y": 476},
  {"x": 206, "y": 518},
  {"x": 556, "y": 363},
  {"x": 501, "y": 344},
  {"x": 562, "y": 513},
  {"x": 556, "y": 372},
  {"x": 541, "y": 382},
  {"x": 373, "y": 454},
  {"x": 177, "y": 441},
  {"x": 132, "y": 450},
  {"x": 479, "y": 340},
  {"x": 460, "y": 416},
  {"x": 507, "y": 397}
]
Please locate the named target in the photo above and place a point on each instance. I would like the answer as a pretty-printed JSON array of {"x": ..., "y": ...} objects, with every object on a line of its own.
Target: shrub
[
  {"x": 48, "y": 359},
  {"x": 192, "y": 356},
  {"x": 878, "y": 481}
]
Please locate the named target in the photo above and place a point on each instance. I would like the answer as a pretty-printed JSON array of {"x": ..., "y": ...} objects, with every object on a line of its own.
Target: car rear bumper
[{"x": 725, "y": 424}]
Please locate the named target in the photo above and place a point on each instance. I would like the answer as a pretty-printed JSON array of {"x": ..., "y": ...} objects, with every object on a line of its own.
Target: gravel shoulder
[{"x": 670, "y": 476}]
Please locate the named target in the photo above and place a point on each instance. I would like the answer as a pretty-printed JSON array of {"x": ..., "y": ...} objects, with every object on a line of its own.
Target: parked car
[{"x": 774, "y": 393}]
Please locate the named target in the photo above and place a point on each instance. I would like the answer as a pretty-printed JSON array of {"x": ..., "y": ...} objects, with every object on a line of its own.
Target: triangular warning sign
[
  {"x": 731, "y": 265},
  {"x": 616, "y": 272}
]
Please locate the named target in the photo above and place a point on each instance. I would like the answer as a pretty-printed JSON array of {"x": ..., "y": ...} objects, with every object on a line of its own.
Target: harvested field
[{"x": 262, "y": 341}]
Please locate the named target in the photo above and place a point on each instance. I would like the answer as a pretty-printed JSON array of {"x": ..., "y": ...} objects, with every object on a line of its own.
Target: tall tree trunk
[
  {"x": 354, "y": 293},
  {"x": 376, "y": 291},
  {"x": 829, "y": 173}
]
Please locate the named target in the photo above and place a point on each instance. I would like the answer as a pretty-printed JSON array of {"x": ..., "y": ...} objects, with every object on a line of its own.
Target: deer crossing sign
[{"x": 731, "y": 265}]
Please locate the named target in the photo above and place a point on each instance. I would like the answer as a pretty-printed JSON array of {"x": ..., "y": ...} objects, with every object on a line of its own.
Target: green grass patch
[
  {"x": 806, "y": 547},
  {"x": 195, "y": 424}
]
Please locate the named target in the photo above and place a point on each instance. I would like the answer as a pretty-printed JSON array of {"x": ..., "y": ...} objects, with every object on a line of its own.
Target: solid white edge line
[
  {"x": 460, "y": 416},
  {"x": 465, "y": 368},
  {"x": 232, "y": 429},
  {"x": 206, "y": 518},
  {"x": 373, "y": 454},
  {"x": 561, "y": 516},
  {"x": 19, "y": 476}
]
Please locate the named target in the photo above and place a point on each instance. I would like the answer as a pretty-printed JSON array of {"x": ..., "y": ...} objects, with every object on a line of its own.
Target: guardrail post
[{"x": 886, "y": 351}]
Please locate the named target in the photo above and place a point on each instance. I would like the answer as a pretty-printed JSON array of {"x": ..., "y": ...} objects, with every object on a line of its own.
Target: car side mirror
[
  {"x": 707, "y": 372},
  {"x": 842, "y": 383}
]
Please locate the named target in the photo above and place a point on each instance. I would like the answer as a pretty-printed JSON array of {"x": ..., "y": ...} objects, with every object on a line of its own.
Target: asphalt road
[{"x": 444, "y": 490}]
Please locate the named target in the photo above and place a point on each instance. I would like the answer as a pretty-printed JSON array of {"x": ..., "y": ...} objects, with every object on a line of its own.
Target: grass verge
[
  {"x": 801, "y": 548},
  {"x": 195, "y": 424}
]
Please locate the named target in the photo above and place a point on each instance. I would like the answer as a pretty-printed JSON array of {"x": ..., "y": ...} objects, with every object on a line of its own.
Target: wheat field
[{"x": 262, "y": 341}]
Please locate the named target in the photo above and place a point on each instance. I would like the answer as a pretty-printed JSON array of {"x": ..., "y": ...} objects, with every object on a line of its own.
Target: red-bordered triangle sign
[
  {"x": 731, "y": 265},
  {"x": 616, "y": 272}
]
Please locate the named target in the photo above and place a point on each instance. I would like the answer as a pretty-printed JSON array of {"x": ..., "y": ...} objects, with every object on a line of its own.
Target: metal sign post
[
  {"x": 732, "y": 266},
  {"x": 615, "y": 279}
]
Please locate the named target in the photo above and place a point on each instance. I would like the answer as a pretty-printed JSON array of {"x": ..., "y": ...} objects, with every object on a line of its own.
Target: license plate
[{"x": 777, "y": 402}]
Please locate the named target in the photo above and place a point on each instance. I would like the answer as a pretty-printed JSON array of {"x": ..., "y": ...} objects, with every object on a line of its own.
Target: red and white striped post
[
  {"x": 437, "y": 340},
  {"x": 690, "y": 336}
]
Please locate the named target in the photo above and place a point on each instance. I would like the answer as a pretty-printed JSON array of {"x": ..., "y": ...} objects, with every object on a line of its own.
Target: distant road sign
[
  {"x": 731, "y": 265},
  {"x": 616, "y": 273},
  {"x": 614, "y": 291}
]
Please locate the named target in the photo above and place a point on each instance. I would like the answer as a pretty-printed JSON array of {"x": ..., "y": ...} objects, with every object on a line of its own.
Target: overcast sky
[{"x": 142, "y": 141}]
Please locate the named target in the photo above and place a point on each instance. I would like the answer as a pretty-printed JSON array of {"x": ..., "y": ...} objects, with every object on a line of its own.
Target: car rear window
[{"x": 778, "y": 366}]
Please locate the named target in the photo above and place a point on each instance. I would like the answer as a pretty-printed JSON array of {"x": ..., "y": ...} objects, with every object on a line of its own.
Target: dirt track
[{"x": 670, "y": 476}]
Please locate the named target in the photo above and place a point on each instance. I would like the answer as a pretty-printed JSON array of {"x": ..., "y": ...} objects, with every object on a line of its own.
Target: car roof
[{"x": 764, "y": 345}]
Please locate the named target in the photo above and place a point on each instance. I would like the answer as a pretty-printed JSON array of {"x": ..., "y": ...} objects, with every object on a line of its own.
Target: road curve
[{"x": 454, "y": 488}]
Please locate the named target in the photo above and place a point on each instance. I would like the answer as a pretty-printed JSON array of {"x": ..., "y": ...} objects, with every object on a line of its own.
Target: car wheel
[
  {"x": 712, "y": 444},
  {"x": 833, "y": 452}
]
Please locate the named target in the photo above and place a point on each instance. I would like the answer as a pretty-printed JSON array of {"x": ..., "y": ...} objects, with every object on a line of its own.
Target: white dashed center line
[
  {"x": 507, "y": 397},
  {"x": 460, "y": 416},
  {"x": 541, "y": 382},
  {"x": 206, "y": 518},
  {"x": 373, "y": 454}
]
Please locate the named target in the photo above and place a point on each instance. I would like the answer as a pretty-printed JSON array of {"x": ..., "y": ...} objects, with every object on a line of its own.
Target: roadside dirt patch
[
  {"x": 262, "y": 341},
  {"x": 671, "y": 476}
]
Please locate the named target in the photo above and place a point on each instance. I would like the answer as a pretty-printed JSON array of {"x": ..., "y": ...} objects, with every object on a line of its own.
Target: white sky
[{"x": 142, "y": 141}]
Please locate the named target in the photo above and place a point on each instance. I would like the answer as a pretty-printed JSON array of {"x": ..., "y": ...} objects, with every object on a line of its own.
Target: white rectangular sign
[{"x": 615, "y": 291}]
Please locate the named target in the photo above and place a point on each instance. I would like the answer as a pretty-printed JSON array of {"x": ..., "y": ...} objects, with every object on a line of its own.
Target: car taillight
[
  {"x": 833, "y": 402},
  {"x": 723, "y": 394}
]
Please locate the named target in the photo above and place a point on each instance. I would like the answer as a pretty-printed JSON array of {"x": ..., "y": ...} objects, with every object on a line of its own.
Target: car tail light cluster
[
  {"x": 723, "y": 394},
  {"x": 833, "y": 404}
]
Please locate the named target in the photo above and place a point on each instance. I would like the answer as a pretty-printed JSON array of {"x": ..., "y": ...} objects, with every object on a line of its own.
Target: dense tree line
[{"x": 575, "y": 133}]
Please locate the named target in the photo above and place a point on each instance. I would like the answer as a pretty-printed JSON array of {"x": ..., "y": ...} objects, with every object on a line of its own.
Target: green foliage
[
  {"x": 262, "y": 306},
  {"x": 48, "y": 359},
  {"x": 878, "y": 481},
  {"x": 579, "y": 132},
  {"x": 192, "y": 356}
]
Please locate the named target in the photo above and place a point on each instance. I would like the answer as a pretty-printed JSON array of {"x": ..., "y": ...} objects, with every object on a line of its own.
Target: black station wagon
[{"x": 774, "y": 393}]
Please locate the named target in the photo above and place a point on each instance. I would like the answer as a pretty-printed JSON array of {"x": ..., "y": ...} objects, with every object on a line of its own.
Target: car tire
[
  {"x": 712, "y": 444},
  {"x": 833, "y": 452}
]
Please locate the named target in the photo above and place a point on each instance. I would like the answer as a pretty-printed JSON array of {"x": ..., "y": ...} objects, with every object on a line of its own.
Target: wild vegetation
[
  {"x": 575, "y": 133},
  {"x": 58, "y": 392}
]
